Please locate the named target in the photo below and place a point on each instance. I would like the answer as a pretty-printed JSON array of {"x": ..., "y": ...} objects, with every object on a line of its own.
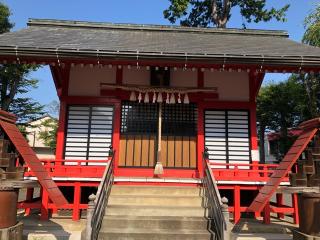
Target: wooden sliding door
[
  {"x": 179, "y": 136},
  {"x": 138, "y": 134}
]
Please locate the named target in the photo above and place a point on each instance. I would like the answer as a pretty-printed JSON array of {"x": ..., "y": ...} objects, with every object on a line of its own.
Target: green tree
[
  {"x": 311, "y": 81},
  {"x": 203, "y": 13},
  {"x": 264, "y": 117},
  {"x": 284, "y": 105},
  {"x": 14, "y": 81},
  {"x": 280, "y": 106},
  {"x": 49, "y": 136},
  {"x": 312, "y": 25}
]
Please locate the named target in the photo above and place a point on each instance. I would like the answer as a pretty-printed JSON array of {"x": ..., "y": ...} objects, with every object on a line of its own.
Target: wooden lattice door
[
  {"x": 179, "y": 136},
  {"x": 139, "y": 135}
]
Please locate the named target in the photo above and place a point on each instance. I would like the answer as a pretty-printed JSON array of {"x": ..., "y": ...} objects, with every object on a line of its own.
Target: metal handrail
[
  {"x": 213, "y": 201},
  {"x": 101, "y": 200}
]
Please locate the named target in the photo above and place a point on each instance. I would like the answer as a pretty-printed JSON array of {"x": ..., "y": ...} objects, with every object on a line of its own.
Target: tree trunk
[
  {"x": 220, "y": 20},
  {"x": 284, "y": 141},
  {"x": 8, "y": 92}
]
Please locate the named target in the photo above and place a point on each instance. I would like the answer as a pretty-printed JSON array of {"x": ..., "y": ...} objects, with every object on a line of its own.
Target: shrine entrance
[{"x": 141, "y": 131}]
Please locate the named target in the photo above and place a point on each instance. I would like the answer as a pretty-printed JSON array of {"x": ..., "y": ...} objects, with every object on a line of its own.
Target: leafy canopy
[
  {"x": 285, "y": 104},
  {"x": 5, "y": 24},
  {"x": 312, "y": 25},
  {"x": 49, "y": 135},
  {"x": 311, "y": 81},
  {"x": 279, "y": 107},
  {"x": 203, "y": 13},
  {"x": 14, "y": 81}
]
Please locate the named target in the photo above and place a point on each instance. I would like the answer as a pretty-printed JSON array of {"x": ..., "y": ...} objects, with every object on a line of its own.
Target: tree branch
[{"x": 4, "y": 90}]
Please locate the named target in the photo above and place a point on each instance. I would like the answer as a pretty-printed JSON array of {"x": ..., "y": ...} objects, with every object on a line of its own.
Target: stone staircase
[{"x": 155, "y": 212}]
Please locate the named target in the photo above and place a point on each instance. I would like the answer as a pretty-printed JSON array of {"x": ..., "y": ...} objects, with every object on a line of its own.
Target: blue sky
[{"x": 134, "y": 11}]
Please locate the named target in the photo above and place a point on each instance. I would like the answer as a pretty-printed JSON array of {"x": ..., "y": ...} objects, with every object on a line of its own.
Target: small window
[{"x": 159, "y": 76}]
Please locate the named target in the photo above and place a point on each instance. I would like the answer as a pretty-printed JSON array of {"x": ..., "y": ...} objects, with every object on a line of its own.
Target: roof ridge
[{"x": 152, "y": 27}]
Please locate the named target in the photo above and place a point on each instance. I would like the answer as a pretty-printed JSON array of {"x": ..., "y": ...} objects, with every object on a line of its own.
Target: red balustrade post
[
  {"x": 265, "y": 171},
  {"x": 76, "y": 202},
  {"x": 295, "y": 216},
  {"x": 257, "y": 215},
  {"x": 266, "y": 214},
  {"x": 44, "y": 205},
  {"x": 279, "y": 197},
  {"x": 237, "y": 211},
  {"x": 29, "y": 198},
  {"x": 236, "y": 171}
]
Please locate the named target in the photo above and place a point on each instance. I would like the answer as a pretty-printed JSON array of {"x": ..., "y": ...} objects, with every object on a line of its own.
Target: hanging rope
[{"x": 145, "y": 89}]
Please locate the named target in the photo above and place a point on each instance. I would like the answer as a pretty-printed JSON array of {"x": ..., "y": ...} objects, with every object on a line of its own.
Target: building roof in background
[
  {"x": 77, "y": 39},
  {"x": 292, "y": 133}
]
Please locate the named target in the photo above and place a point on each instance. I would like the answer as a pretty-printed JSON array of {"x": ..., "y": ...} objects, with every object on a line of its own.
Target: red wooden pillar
[
  {"x": 29, "y": 198},
  {"x": 116, "y": 135},
  {"x": 237, "y": 211},
  {"x": 117, "y": 122},
  {"x": 279, "y": 197},
  {"x": 266, "y": 214},
  {"x": 295, "y": 216},
  {"x": 200, "y": 140},
  {"x": 253, "y": 89},
  {"x": 61, "y": 131},
  {"x": 257, "y": 215},
  {"x": 64, "y": 73},
  {"x": 76, "y": 202},
  {"x": 253, "y": 130},
  {"x": 44, "y": 205}
]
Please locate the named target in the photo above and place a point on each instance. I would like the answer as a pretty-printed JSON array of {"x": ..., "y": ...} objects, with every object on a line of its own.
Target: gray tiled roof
[{"x": 83, "y": 39}]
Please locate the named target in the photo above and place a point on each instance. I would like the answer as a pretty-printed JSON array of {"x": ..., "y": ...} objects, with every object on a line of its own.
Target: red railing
[
  {"x": 72, "y": 168},
  {"x": 243, "y": 172},
  {"x": 95, "y": 168}
]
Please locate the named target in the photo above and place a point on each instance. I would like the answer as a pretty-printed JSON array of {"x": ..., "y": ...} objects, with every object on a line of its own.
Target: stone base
[
  {"x": 302, "y": 236},
  {"x": 12, "y": 233}
]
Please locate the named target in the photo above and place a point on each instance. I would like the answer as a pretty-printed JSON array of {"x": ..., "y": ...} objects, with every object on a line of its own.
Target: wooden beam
[
  {"x": 200, "y": 78},
  {"x": 56, "y": 78},
  {"x": 61, "y": 76},
  {"x": 119, "y": 76},
  {"x": 259, "y": 80},
  {"x": 255, "y": 81}
]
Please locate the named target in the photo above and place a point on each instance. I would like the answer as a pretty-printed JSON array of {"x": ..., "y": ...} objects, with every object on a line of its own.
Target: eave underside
[{"x": 261, "y": 62}]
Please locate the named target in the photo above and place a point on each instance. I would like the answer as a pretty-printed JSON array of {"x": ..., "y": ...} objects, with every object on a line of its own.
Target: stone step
[
  {"x": 4, "y": 162},
  {"x": 133, "y": 210},
  {"x": 152, "y": 190},
  {"x": 261, "y": 236},
  {"x": 52, "y": 235},
  {"x": 164, "y": 222},
  {"x": 155, "y": 234},
  {"x": 155, "y": 200}
]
